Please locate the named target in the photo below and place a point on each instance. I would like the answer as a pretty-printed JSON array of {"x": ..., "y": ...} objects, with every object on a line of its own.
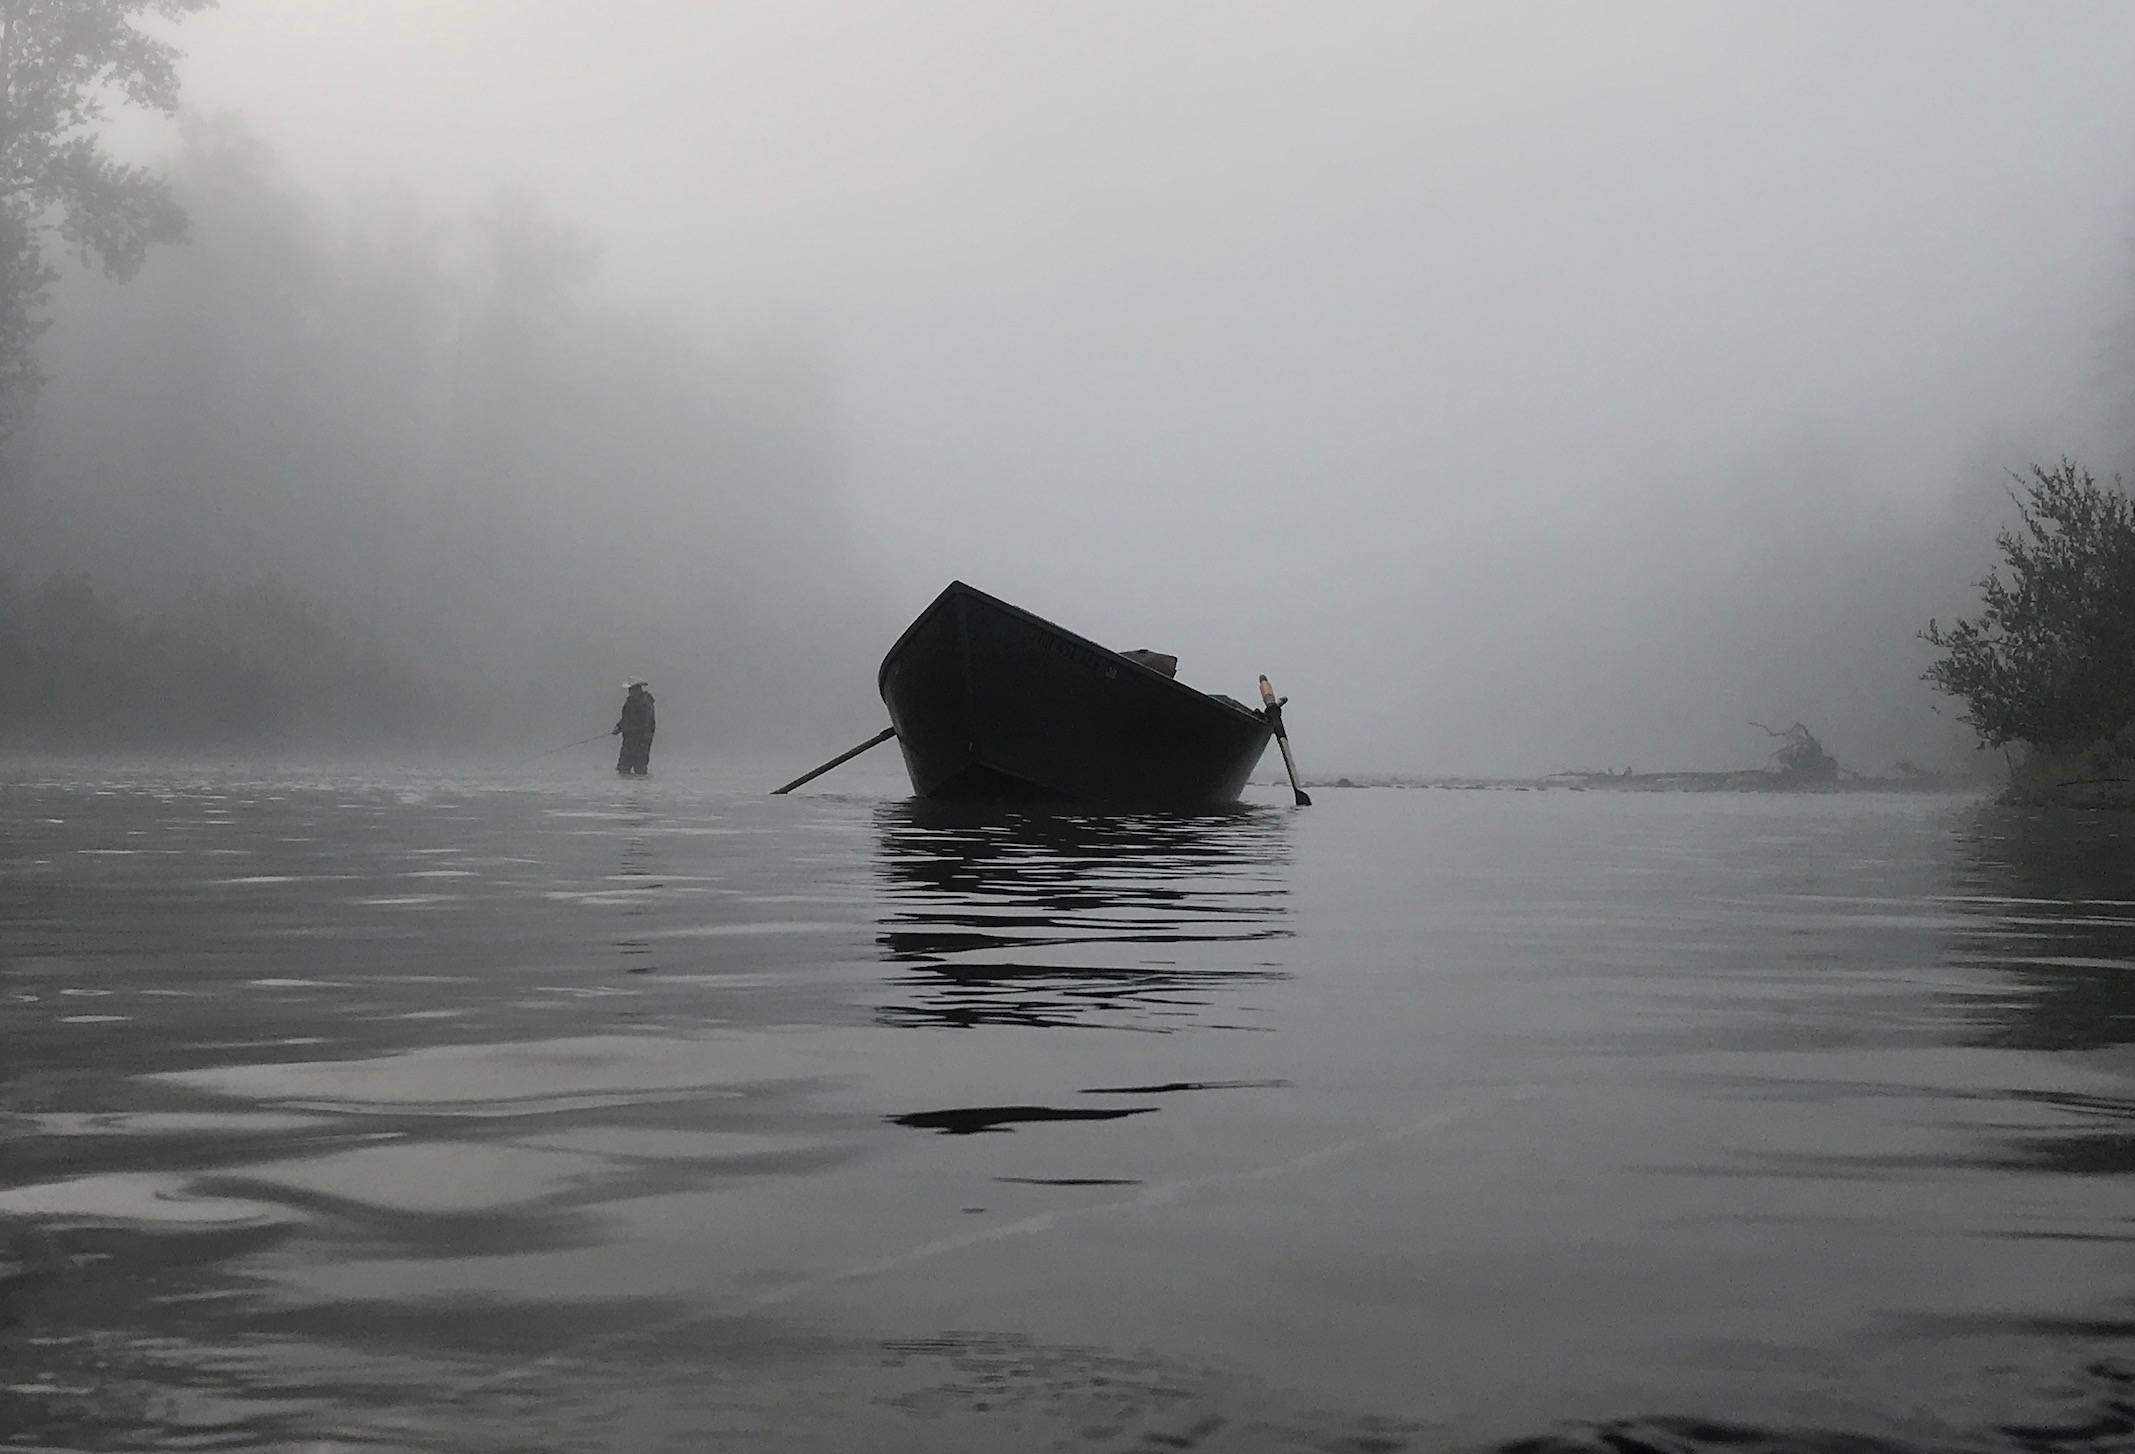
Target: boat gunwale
[{"x": 957, "y": 588}]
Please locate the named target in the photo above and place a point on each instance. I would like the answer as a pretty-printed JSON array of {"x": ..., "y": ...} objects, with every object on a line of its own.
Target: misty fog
[{"x": 1523, "y": 388}]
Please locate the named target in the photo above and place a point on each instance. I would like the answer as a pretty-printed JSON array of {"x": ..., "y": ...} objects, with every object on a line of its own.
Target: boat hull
[{"x": 993, "y": 703}]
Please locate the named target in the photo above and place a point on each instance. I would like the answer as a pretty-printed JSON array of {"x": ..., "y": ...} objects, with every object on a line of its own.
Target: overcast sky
[{"x": 1522, "y": 386}]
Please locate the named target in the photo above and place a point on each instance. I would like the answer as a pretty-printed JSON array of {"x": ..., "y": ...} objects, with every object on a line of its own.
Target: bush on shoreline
[{"x": 2049, "y": 663}]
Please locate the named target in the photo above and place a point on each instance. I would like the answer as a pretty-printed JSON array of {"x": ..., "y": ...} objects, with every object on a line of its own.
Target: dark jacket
[{"x": 636, "y": 720}]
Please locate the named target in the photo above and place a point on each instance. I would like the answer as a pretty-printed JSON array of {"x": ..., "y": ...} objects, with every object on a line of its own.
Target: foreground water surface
[{"x": 398, "y": 1111}]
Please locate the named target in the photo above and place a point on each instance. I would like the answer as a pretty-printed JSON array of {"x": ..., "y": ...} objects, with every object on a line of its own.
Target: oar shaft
[
  {"x": 1289, "y": 763},
  {"x": 808, "y": 777}
]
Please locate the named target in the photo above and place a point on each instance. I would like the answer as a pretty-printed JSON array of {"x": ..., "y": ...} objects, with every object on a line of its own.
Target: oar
[
  {"x": 807, "y": 777},
  {"x": 1273, "y": 712}
]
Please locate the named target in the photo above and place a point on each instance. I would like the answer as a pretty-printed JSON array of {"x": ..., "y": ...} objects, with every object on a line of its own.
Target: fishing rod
[{"x": 581, "y": 742}]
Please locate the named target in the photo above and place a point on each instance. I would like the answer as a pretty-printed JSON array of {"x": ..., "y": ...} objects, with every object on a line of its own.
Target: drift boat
[{"x": 991, "y": 702}]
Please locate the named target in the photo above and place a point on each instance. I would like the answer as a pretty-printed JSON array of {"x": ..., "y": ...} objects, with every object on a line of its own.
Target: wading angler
[{"x": 635, "y": 728}]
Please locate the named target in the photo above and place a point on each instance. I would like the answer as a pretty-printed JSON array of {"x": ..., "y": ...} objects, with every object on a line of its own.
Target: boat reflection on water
[{"x": 1041, "y": 918}]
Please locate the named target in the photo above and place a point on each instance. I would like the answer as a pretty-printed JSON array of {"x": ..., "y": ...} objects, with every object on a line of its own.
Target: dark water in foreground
[{"x": 434, "y": 1114}]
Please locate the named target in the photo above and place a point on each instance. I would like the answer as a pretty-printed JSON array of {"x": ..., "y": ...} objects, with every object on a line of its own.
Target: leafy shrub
[{"x": 2050, "y": 660}]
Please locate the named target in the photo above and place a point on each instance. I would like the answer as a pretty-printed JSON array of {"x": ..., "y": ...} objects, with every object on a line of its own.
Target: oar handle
[{"x": 810, "y": 776}]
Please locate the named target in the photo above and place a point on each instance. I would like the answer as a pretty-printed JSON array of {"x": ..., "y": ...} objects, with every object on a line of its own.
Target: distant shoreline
[{"x": 1746, "y": 780}]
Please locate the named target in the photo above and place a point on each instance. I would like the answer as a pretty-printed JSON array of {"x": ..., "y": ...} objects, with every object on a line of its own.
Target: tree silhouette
[{"x": 60, "y": 60}]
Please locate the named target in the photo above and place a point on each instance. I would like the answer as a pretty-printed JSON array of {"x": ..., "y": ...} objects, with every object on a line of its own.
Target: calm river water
[{"x": 423, "y": 1112}]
